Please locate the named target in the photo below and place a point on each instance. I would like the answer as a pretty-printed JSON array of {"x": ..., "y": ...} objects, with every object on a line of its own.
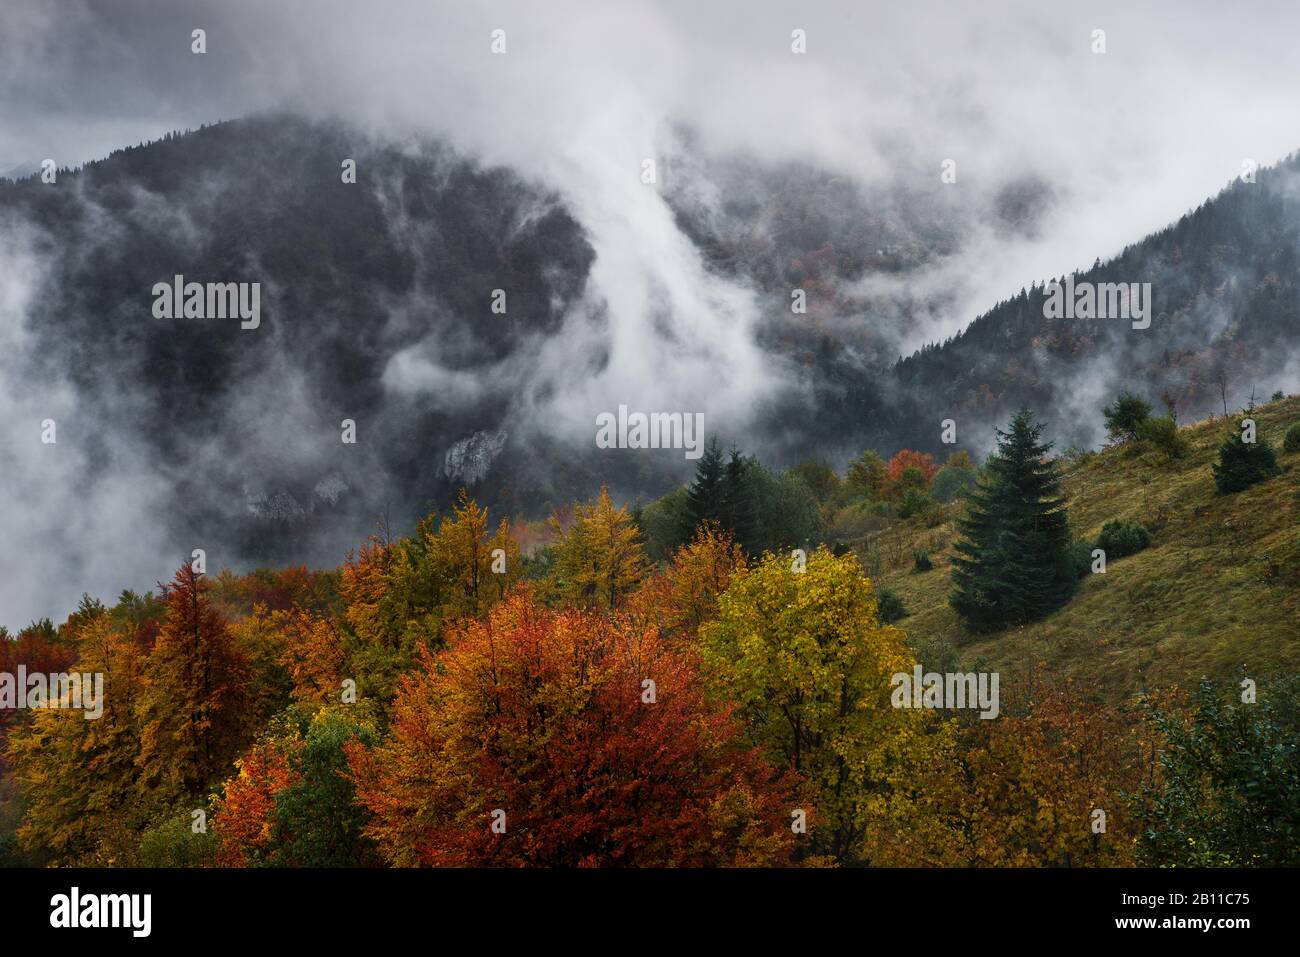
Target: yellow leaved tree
[
  {"x": 598, "y": 558},
  {"x": 799, "y": 649}
]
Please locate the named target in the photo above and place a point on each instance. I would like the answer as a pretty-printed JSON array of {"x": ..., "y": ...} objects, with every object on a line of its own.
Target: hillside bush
[
  {"x": 1120, "y": 539},
  {"x": 953, "y": 482},
  {"x": 889, "y": 607},
  {"x": 1163, "y": 433},
  {"x": 1080, "y": 558},
  {"x": 1243, "y": 464},
  {"x": 1072, "y": 457}
]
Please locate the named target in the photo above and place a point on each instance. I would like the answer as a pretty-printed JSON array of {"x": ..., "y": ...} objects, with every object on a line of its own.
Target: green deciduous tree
[
  {"x": 866, "y": 476},
  {"x": 955, "y": 480},
  {"x": 1229, "y": 794}
]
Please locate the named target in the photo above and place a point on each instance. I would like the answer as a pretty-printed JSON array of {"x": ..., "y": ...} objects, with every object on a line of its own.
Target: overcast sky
[{"x": 1130, "y": 138}]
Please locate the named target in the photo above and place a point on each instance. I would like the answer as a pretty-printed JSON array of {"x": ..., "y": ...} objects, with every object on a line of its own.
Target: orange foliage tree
[
  {"x": 194, "y": 714},
  {"x": 244, "y": 820},
  {"x": 904, "y": 459},
  {"x": 1039, "y": 780},
  {"x": 566, "y": 738},
  {"x": 1042, "y": 785},
  {"x": 684, "y": 596}
]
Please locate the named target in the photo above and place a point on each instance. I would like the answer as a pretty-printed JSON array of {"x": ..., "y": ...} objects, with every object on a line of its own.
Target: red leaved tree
[
  {"x": 567, "y": 739},
  {"x": 906, "y": 458}
]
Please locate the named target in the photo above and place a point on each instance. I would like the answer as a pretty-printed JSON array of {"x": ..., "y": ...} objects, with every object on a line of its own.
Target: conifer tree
[
  {"x": 704, "y": 497},
  {"x": 1242, "y": 464},
  {"x": 738, "y": 514},
  {"x": 194, "y": 712},
  {"x": 1012, "y": 565}
]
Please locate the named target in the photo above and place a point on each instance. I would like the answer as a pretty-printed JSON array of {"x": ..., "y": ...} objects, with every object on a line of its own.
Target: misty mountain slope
[
  {"x": 879, "y": 263},
  {"x": 1217, "y": 590},
  {"x": 1225, "y": 285},
  {"x": 1226, "y": 306},
  {"x": 794, "y": 226},
  {"x": 375, "y": 306}
]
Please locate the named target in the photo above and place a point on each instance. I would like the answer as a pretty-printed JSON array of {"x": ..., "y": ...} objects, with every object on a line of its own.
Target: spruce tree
[
  {"x": 1242, "y": 464},
  {"x": 704, "y": 497},
  {"x": 738, "y": 514},
  {"x": 1012, "y": 565}
]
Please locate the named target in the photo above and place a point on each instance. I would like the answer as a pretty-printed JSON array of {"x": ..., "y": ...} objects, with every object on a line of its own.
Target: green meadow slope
[{"x": 1216, "y": 594}]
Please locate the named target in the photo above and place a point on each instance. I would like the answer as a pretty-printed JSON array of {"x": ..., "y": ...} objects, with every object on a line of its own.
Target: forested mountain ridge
[
  {"x": 357, "y": 281},
  {"x": 1225, "y": 285},
  {"x": 377, "y": 301}
]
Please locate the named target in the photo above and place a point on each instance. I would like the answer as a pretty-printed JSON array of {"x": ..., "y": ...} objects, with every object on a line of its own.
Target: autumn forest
[{"x": 486, "y": 694}]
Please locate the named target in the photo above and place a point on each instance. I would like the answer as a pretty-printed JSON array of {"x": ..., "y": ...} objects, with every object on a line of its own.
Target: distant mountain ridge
[
  {"x": 1225, "y": 280},
  {"x": 376, "y": 302}
]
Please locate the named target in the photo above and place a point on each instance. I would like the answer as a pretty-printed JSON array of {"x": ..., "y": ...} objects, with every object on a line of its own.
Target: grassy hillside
[{"x": 1218, "y": 591}]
